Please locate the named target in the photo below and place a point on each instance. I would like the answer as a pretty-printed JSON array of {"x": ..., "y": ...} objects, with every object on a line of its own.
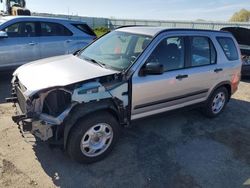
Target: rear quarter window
[
  {"x": 229, "y": 48},
  {"x": 85, "y": 28}
]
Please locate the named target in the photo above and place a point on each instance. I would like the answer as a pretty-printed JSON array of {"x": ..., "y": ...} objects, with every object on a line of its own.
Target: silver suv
[
  {"x": 27, "y": 38},
  {"x": 83, "y": 100}
]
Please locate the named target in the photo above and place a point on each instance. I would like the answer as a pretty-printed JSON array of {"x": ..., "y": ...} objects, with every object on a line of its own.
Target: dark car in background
[{"x": 242, "y": 36}]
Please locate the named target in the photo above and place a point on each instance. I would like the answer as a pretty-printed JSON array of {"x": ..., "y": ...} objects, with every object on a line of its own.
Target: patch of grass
[{"x": 99, "y": 31}]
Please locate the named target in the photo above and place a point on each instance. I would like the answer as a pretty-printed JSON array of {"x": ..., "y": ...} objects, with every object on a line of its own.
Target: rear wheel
[
  {"x": 93, "y": 137},
  {"x": 216, "y": 102}
]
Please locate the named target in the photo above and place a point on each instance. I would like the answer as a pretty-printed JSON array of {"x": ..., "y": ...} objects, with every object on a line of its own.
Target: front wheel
[
  {"x": 93, "y": 137},
  {"x": 216, "y": 102}
]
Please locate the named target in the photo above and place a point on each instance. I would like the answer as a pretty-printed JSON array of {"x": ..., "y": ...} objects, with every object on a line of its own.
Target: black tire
[
  {"x": 208, "y": 108},
  {"x": 82, "y": 127}
]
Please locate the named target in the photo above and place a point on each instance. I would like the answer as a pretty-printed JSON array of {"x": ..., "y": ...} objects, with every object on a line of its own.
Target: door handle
[
  {"x": 179, "y": 77},
  {"x": 32, "y": 43},
  {"x": 68, "y": 41},
  {"x": 218, "y": 70}
]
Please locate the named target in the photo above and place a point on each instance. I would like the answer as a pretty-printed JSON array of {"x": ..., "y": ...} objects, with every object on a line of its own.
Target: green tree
[{"x": 242, "y": 16}]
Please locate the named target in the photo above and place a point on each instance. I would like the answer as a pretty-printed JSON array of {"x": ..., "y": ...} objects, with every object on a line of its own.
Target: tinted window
[
  {"x": 22, "y": 29},
  {"x": 229, "y": 48},
  {"x": 169, "y": 53},
  {"x": 85, "y": 28},
  {"x": 202, "y": 51},
  {"x": 54, "y": 29}
]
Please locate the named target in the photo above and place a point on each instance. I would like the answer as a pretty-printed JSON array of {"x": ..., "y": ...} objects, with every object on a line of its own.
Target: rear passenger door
[
  {"x": 201, "y": 66},
  {"x": 55, "y": 39}
]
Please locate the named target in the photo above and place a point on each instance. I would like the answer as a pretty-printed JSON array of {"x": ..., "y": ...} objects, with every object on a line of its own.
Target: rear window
[
  {"x": 54, "y": 29},
  {"x": 85, "y": 28},
  {"x": 229, "y": 48}
]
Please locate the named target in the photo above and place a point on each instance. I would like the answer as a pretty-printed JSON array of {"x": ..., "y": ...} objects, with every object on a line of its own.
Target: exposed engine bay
[{"x": 48, "y": 108}]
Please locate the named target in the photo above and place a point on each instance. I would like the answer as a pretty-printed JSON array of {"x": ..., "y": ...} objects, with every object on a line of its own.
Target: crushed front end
[
  {"x": 44, "y": 112},
  {"x": 41, "y": 113}
]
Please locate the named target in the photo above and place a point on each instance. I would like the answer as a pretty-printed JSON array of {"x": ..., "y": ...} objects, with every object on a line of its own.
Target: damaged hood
[{"x": 57, "y": 71}]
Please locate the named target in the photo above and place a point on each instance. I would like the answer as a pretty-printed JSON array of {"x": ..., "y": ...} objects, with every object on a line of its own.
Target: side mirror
[
  {"x": 3, "y": 34},
  {"x": 152, "y": 68}
]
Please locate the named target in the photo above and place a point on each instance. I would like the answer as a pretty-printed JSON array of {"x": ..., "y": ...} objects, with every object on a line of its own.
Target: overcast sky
[{"x": 214, "y": 10}]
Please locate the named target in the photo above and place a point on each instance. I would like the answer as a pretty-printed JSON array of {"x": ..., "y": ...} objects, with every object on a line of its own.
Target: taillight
[{"x": 235, "y": 82}]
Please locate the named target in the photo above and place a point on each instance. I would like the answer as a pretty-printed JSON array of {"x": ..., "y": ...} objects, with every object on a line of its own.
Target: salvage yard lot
[{"x": 177, "y": 149}]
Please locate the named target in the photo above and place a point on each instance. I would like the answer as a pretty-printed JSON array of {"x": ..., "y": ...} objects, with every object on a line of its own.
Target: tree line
[{"x": 242, "y": 16}]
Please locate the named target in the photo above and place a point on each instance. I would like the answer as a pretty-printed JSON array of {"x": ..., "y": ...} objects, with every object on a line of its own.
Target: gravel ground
[{"x": 178, "y": 150}]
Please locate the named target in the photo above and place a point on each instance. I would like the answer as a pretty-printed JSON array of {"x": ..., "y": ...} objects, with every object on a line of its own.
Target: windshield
[{"x": 116, "y": 50}]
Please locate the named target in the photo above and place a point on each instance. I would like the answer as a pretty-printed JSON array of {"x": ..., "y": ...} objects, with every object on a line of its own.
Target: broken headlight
[{"x": 56, "y": 102}]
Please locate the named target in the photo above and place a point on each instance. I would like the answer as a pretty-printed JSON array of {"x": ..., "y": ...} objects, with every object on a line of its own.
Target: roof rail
[{"x": 124, "y": 26}]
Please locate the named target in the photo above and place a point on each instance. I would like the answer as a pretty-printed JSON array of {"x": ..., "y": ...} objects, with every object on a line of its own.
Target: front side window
[
  {"x": 169, "y": 53},
  {"x": 54, "y": 29},
  {"x": 229, "y": 48},
  {"x": 22, "y": 29},
  {"x": 202, "y": 51},
  {"x": 117, "y": 50}
]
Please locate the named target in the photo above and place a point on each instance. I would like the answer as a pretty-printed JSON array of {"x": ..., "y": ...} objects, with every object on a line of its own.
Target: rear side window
[
  {"x": 85, "y": 28},
  {"x": 54, "y": 29},
  {"x": 202, "y": 51},
  {"x": 229, "y": 48}
]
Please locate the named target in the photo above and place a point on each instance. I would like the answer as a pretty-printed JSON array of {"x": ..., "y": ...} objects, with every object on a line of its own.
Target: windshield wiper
[{"x": 96, "y": 62}]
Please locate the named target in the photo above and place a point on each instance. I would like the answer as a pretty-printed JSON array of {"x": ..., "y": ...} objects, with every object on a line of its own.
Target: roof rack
[{"x": 124, "y": 26}]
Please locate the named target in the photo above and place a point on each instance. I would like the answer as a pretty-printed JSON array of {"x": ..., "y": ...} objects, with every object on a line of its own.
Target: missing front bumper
[{"x": 38, "y": 128}]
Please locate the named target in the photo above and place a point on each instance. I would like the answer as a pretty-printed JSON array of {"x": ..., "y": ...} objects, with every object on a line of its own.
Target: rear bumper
[{"x": 245, "y": 70}]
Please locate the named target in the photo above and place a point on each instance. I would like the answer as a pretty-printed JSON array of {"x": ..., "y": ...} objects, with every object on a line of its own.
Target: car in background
[
  {"x": 27, "y": 38},
  {"x": 242, "y": 36}
]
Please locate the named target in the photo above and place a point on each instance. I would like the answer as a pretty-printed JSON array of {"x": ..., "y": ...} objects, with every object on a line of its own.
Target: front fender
[{"x": 82, "y": 110}]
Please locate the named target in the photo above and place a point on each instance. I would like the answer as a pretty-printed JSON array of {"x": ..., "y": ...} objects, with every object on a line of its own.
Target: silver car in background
[{"x": 24, "y": 39}]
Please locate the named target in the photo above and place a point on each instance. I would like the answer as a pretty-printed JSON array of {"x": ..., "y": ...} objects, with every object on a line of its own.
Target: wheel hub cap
[
  {"x": 218, "y": 102},
  {"x": 96, "y": 140}
]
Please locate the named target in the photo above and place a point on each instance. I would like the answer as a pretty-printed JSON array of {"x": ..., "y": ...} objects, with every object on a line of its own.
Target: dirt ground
[{"x": 178, "y": 150}]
